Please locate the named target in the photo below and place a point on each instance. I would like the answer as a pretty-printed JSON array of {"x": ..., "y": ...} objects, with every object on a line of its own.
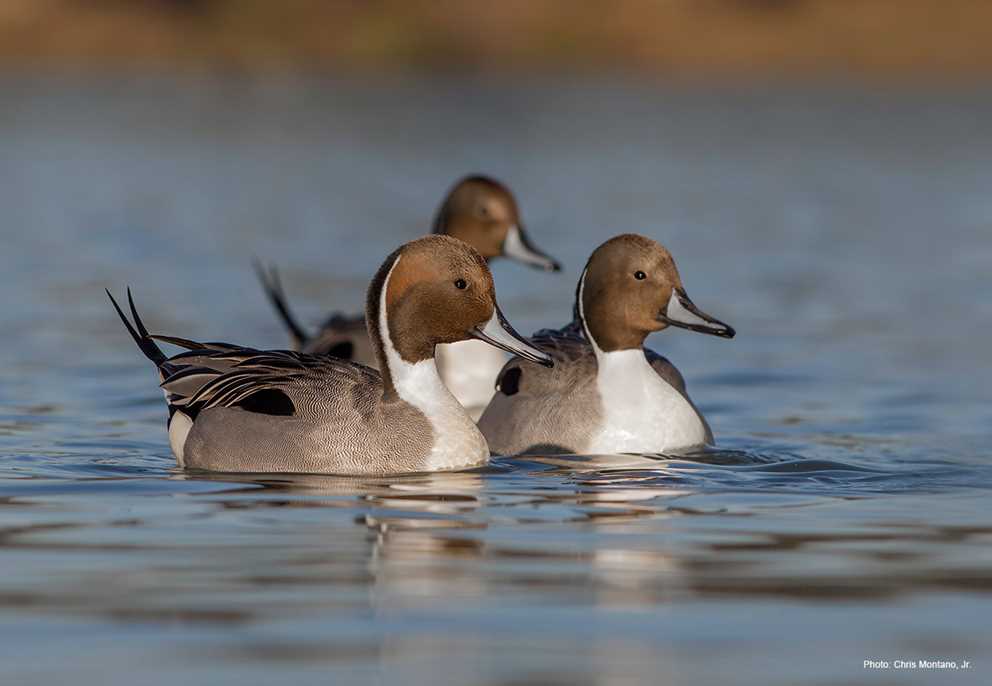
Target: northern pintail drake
[
  {"x": 237, "y": 409},
  {"x": 478, "y": 210},
  {"x": 606, "y": 393}
]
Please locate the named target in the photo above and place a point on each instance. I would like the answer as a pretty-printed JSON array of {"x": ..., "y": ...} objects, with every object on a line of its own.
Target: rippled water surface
[{"x": 846, "y": 235}]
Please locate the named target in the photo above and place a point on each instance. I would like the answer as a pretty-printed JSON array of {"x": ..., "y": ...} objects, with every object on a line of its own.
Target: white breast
[
  {"x": 469, "y": 370},
  {"x": 642, "y": 413},
  {"x": 458, "y": 443}
]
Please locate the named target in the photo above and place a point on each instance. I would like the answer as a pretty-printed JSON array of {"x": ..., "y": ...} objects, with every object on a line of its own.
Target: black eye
[
  {"x": 639, "y": 275},
  {"x": 460, "y": 284},
  {"x": 483, "y": 210}
]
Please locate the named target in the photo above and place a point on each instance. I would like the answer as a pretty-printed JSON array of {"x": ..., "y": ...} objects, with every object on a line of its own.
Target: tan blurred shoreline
[{"x": 687, "y": 38}]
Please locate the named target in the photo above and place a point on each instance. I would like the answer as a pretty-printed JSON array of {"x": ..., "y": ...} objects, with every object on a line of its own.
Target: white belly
[
  {"x": 469, "y": 370},
  {"x": 179, "y": 427},
  {"x": 642, "y": 413}
]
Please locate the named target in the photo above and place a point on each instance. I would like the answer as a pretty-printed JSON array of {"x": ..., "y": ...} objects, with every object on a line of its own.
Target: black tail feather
[
  {"x": 140, "y": 336},
  {"x": 212, "y": 346},
  {"x": 180, "y": 342},
  {"x": 138, "y": 324},
  {"x": 272, "y": 285}
]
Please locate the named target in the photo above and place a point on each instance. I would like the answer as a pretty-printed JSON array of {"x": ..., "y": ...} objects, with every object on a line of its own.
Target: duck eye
[
  {"x": 460, "y": 284},
  {"x": 639, "y": 275}
]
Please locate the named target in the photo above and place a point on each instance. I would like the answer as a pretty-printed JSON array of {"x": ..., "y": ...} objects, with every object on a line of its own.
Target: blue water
[{"x": 846, "y": 234}]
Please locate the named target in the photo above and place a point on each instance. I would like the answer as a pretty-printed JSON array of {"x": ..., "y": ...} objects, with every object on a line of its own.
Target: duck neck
[
  {"x": 417, "y": 382},
  {"x": 612, "y": 355}
]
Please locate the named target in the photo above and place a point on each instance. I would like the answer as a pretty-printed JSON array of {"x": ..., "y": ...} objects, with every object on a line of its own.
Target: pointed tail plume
[{"x": 138, "y": 332}]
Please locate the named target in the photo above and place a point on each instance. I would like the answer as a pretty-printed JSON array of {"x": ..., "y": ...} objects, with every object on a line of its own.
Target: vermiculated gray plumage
[{"x": 336, "y": 424}]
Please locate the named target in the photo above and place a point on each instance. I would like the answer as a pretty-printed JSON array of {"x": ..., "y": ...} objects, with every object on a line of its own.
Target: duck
[
  {"x": 239, "y": 409},
  {"x": 477, "y": 209},
  {"x": 606, "y": 392}
]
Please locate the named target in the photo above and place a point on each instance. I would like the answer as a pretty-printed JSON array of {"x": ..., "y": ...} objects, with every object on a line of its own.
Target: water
[{"x": 844, "y": 233}]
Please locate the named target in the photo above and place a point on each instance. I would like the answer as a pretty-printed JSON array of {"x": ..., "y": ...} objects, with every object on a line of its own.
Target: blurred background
[
  {"x": 880, "y": 38},
  {"x": 820, "y": 170}
]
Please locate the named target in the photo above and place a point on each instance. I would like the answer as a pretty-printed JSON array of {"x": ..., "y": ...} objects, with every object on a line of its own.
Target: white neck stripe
[
  {"x": 400, "y": 371},
  {"x": 387, "y": 341},
  {"x": 582, "y": 314}
]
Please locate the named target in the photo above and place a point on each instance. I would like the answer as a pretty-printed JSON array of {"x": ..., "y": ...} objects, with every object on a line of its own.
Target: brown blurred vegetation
[{"x": 871, "y": 37}]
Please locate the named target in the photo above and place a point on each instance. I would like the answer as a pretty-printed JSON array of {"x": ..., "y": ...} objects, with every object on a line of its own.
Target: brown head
[
  {"x": 630, "y": 288},
  {"x": 435, "y": 290},
  {"x": 483, "y": 212}
]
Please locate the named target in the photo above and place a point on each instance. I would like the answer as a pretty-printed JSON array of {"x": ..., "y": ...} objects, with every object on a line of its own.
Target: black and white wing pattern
[{"x": 274, "y": 382}]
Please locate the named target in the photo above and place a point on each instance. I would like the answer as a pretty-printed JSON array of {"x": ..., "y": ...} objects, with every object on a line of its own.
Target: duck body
[
  {"x": 338, "y": 423},
  {"x": 606, "y": 393},
  {"x": 238, "y": 409},
  {"x": 635, "y": 402}
]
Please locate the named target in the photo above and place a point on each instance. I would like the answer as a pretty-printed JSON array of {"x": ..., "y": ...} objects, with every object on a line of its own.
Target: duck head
[
  {"x": 483, "y": 212},
  {"x": 630, "y": 288},
  {"x": 433, "y": 290}
]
